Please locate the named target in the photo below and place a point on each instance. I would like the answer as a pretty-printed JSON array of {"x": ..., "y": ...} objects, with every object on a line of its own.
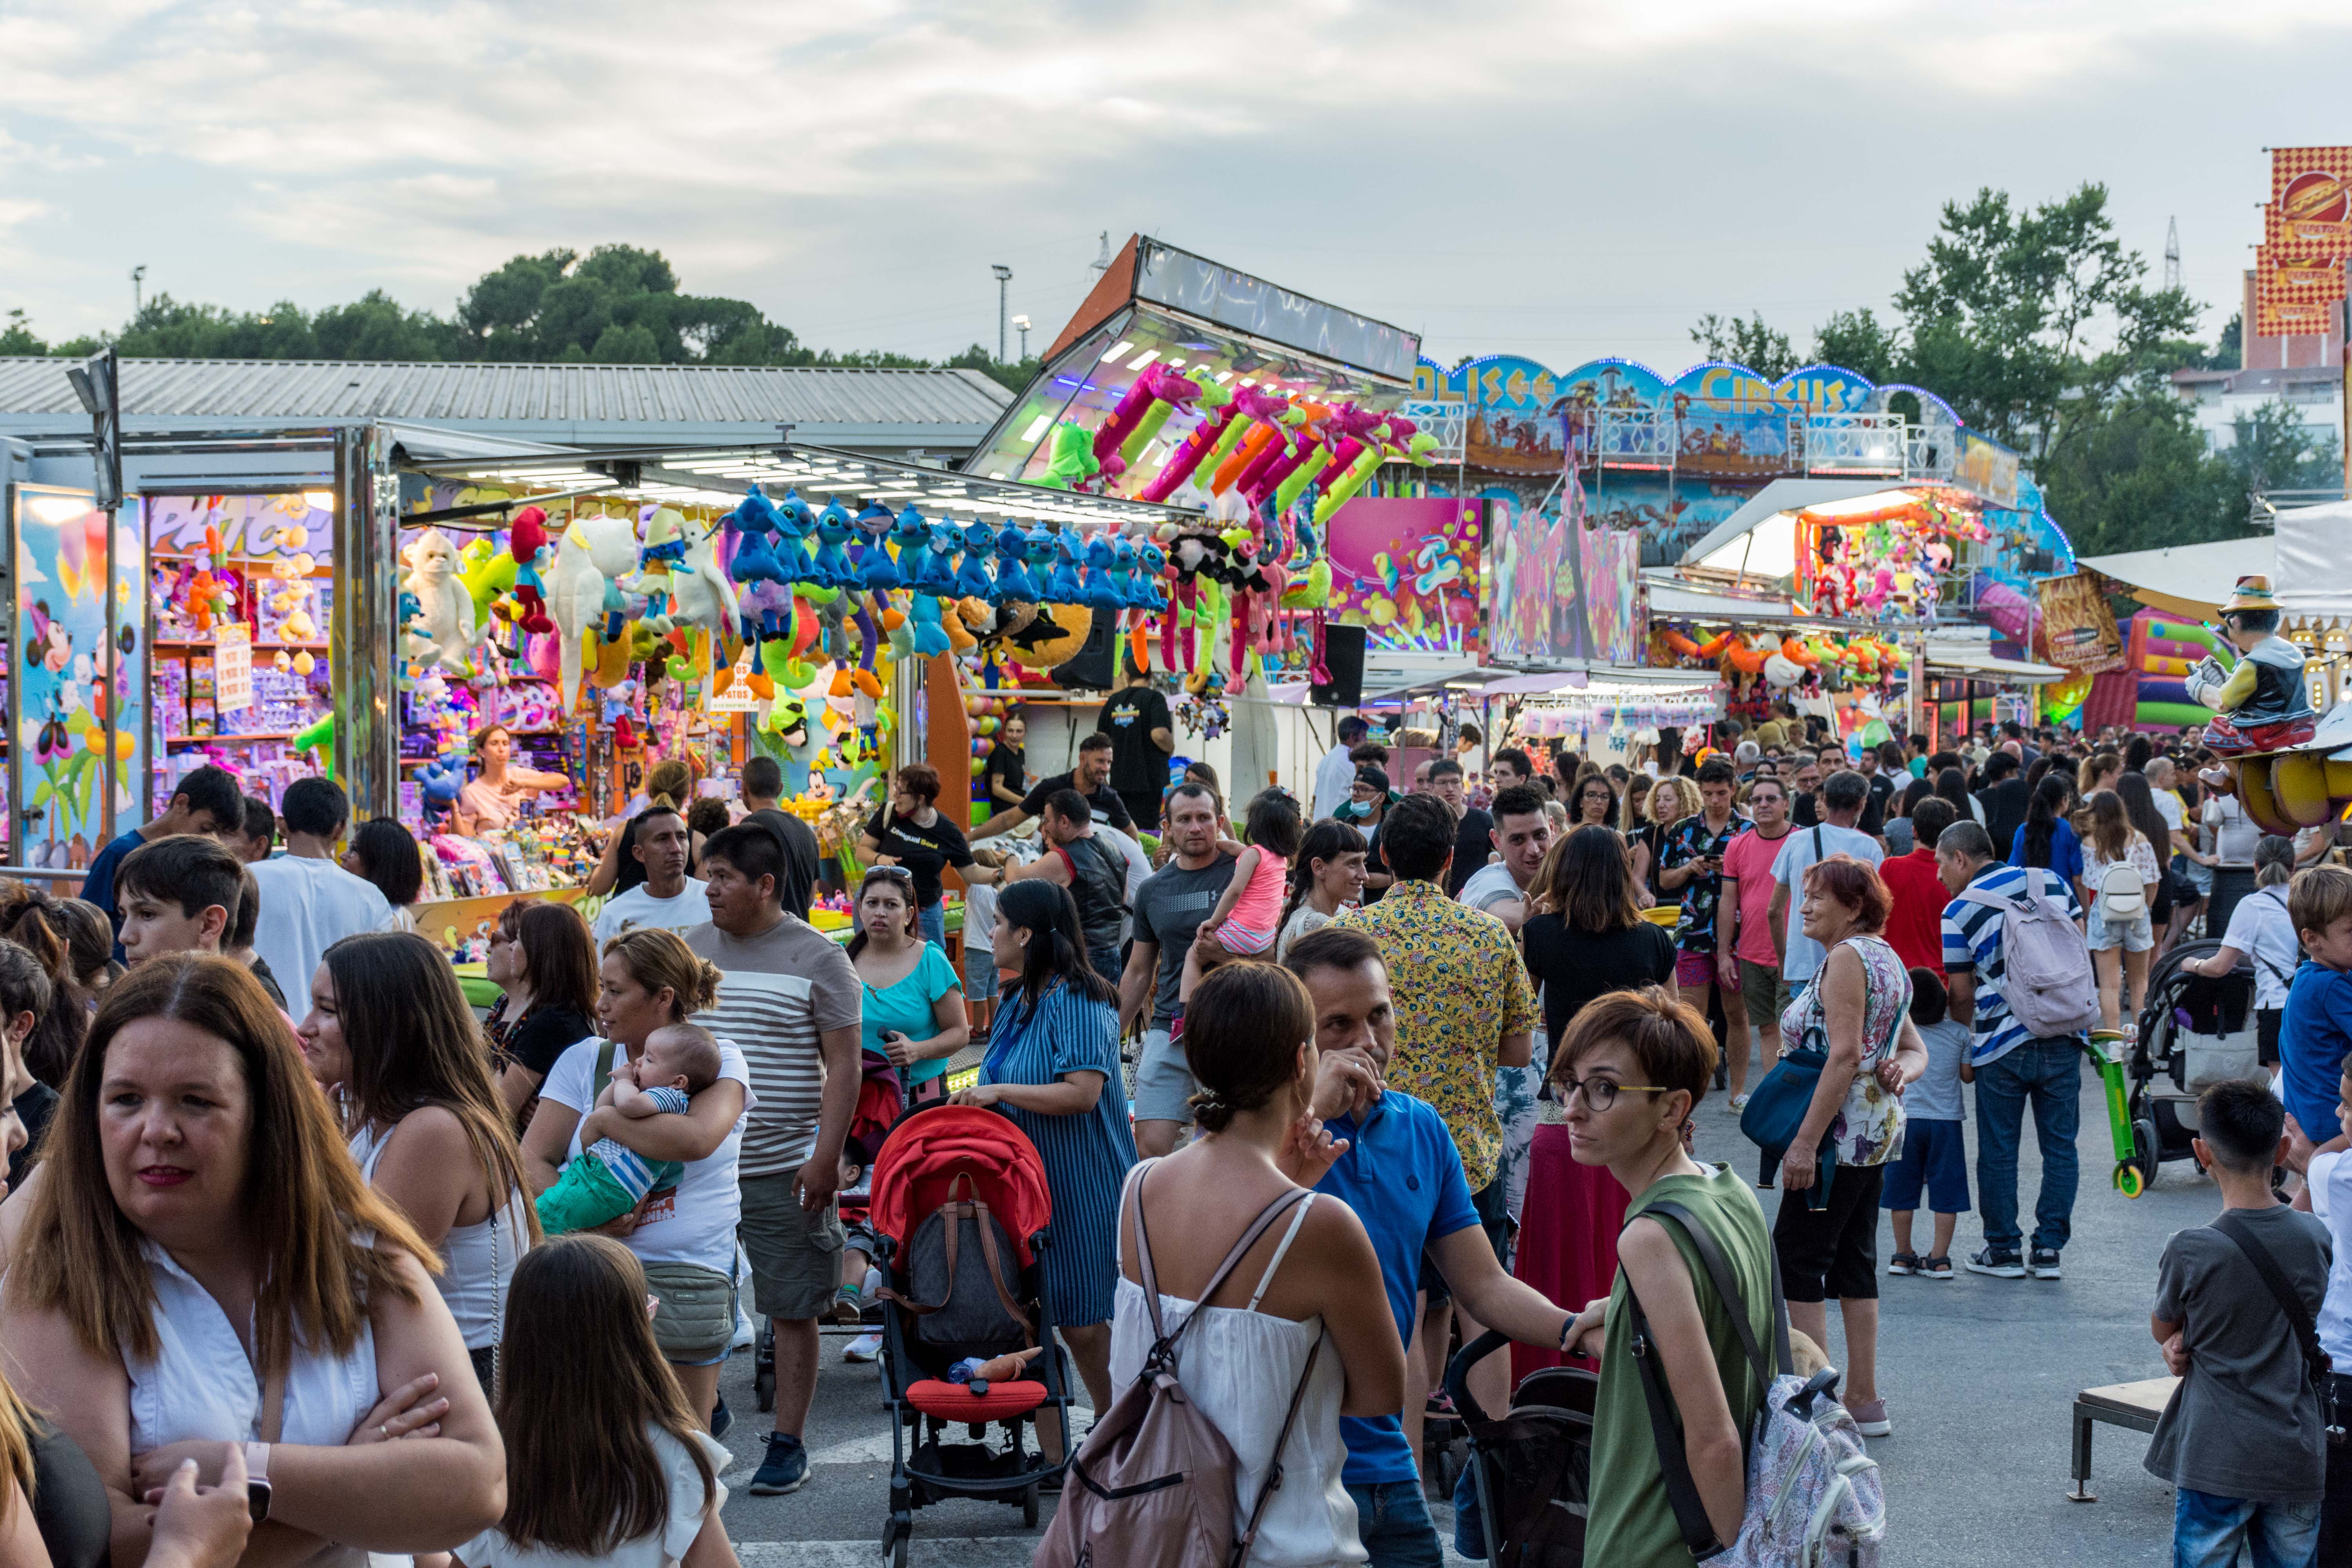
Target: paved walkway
[{"x": 1979, "y": 1375}]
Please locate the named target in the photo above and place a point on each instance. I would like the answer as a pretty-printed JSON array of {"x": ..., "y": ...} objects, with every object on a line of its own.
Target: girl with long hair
[
  {"x": 2139, "y": 803},
  {"x": 91, "y": 935},
  {"x": 543, "y": 963},
  {"x": 196, "y": 1180},
  {"x": 1952, "y": 785},
  {"x": 1670, "y": 801},
  {"x": 45, "y": 929},
  {"x": 604, "y": 1460},
  {"x": 2120, "y": 937},
  {"x": 1249, "y": 913},
  {"x": 1053, "y": 1067},
  {"x": 914, "y": 1014},
  {"x": 2047, "y": 839},
  {"x": 392, "y": 1041},
  {"x": 1328, "y": 876},
  {"x": 1592, "y": 800},
  {"x": 383, "y": 852}
]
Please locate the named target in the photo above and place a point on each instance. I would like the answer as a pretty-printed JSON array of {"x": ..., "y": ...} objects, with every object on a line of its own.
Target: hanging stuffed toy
[
  {"x": 794, "y": 523},
  {"x": 1074, "y": 461},
  {"x": 1150, "y": 564},
  {"x": 971, "y": 579},
  {"x": 1064, "y": 588},
  {"x": 1155, "y": 394},
  {"x": 445, "y": 610},
  {"x": 488, "y": 573},
  {"x": 596, "y": 548},
  {"x": 936, "y": 574},
  {"x": 875, "y": 570},
  {"x": 1097, "y": 591},
  {"x": 665, "y": 546},
  {"x": 1012, "y": 575},
  {"x": 833, "y": 568},
  {"x": 529, "y": 553},
  {"x": 703, "y": 594}
]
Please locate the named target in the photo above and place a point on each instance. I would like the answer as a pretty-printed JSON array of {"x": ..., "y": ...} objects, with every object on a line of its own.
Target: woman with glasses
[
  {"x": 914, "y": 1013},
  {"x": 1593, "y": 803},
  {"x": 1630, "y": 1073},
  {"x": 1586, "y": 939},
  {"x": 544, "y": 965}
]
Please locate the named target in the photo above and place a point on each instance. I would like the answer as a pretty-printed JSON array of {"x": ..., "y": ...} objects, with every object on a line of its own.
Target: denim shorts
[
  {"x": 1934, "y": 1158},
  {"x": 2135, "y": 935}
]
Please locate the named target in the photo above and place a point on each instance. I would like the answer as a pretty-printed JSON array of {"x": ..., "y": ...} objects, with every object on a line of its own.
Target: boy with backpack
[
  {"x": 2244, "y": 1440},
  {"x": 1933, "y": 1159}
]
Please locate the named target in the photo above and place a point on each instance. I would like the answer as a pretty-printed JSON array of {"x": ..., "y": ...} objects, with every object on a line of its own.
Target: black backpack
[{"x": 960, "y": 1268}]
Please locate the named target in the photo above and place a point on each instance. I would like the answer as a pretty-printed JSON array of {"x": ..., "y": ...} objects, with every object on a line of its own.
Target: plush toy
[
  {"x": 319, "y": 741},
  {"x": 704, "y": 594},
  {"x": 488, "y": 573},
  {"x": 833, "y": 568},
  {"x": 440, "y": 780},
  {"x": 971, "y": 579},
  {"x": 1064, "y": 588},
  {"x": 1155, "y": 394},
  {"x": 530, "y": 552},
  {"x": 597, "y": 549},
  {"x": 1074, "y": 461},
  {"x": 753, "y": 519},
  {"x": 936, "y": 575},
  {"x": 1012, "y": 575},
  {"x": 1150, "y": 562},
  {"x": 664, "y": 545},
  {"x": 875, "y": 570},
  {"x": 1173, "y": 399},
  {"x": 794, "y": 523},
  {"x": 445, "y": 610},
  {"x": 1096, "y": 590}
]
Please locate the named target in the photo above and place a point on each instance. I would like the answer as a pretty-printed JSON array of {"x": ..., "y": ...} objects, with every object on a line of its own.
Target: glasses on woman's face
[
  {"x": 1600, "y": 1094},
  {"x": 500, "y": 936}
]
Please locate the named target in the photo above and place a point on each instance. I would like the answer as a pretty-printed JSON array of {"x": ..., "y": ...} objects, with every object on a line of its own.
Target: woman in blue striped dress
[{"x": 1053, "y": 1067}]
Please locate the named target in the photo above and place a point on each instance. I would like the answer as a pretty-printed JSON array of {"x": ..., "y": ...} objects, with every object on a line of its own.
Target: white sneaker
[
  {"x": 746, "y": 1335},
  {"x": 864, "y": 1347},
  {"x": 1739, "y": 1102}
]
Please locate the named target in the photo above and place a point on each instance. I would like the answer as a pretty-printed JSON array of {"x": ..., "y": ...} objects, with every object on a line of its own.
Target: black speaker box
[
  {"x": 1343, "y": 655},
  {"x": 1094, "y": 669}
]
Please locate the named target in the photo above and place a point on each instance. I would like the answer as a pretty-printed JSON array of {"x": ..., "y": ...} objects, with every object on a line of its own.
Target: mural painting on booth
[{"x": 1410, "y": 572}]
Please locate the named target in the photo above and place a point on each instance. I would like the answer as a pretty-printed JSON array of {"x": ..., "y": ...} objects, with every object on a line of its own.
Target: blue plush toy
[
  {"x": 923, "y": 615},
  {"x": 936, "y": 575},
  {"x": 1149, "y": 562},
  {"x": 911, "y": 533},
  {"x": 440, "y": 780},
  {"x": 794, "y": 523},
  {"x": 1040, "y": 551},
  {"x": 1122, "y": 576},
  {"x": 1012, "y": 577},
  {"x": 755, "y": 555},
  {"x": 1101, "y": 592},
  {"x": 1065, "y": 587},
  {"x": 875, "y": 566},
  {"x": 833, "y": 567},
  {"x": 971, "y": 579}
]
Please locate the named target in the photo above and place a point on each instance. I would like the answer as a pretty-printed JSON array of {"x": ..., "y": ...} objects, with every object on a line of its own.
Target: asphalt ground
[{"x": 1980, "y": 1376}]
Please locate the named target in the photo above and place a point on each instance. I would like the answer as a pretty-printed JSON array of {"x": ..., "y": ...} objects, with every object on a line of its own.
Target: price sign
[
  {"x": 736, "y": 696},
  {"x": 233, "y": 667}
]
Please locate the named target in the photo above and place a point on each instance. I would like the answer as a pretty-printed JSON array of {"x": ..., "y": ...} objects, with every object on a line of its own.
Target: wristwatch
[{"x": 257, "y": 1480}]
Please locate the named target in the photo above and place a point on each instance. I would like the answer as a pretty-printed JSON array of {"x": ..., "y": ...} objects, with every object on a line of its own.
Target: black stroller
[
  {"x": 2193, "y": 1032},
  {"x": 1532, "y": 1468}
]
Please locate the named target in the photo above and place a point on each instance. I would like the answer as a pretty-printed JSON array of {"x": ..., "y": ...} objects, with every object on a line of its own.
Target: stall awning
[
  {"x": 2314, "y": 577},
  {"x": 1970, "y": 664},
  {"x": 1676, "y": 603},
  {"x": 2190, "y": 580}
]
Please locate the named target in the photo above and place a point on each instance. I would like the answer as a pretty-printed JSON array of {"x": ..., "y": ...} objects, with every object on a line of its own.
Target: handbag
[
  {"x": 1776, "y": 1114},
  {"x": 2315, "y": 1362}
]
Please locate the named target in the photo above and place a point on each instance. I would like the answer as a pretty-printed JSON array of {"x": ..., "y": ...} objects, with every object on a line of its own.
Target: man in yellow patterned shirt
[{"x": 1464, "y": 1008}]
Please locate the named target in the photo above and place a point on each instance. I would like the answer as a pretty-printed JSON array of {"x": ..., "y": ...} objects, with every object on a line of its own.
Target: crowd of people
[{"x": 305, "y": 1257}]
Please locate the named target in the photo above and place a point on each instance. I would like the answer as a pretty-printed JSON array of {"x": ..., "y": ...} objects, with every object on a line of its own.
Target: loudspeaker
[
  {"x": 1343, "y": 655},
  {"x": 1092, "y": 670}
]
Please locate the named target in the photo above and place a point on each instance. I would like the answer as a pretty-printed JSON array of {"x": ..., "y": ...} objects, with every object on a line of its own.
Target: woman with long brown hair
[
  {"x": 201, "y": 1271},
  {"x": 685, "y": 1236},
  {"x": 391, "y": 1039},
  {"x": 2117, "y": 862},
  {"x": 610, "y": 1467},
  {"x": 544, "y": 965}
]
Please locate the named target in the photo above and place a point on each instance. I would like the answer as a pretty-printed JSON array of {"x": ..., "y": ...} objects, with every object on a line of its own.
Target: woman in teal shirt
[{"x": 914, "y": 1013}]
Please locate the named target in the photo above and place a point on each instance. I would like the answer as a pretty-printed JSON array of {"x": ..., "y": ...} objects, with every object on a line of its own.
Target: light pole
[
  {"x": 1021, "y": 325},
  {"x": 137, "y": 273},
  {"x": 1004, "y": 277}
]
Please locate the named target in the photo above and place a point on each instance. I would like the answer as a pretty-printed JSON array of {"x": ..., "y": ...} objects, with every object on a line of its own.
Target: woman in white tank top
[
  {"x": 390, "y": 1034},
  {"x": 1249, "y": 1033},
  {"x": 200, "y": 1270}
]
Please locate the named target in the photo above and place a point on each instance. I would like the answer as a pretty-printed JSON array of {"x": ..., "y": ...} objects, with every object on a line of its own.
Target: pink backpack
[{"x": 1153, "y": 1485}]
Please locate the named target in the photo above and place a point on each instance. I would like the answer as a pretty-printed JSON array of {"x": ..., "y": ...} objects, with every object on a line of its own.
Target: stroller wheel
[
  {"x": 763, "y": 1373},
  {"x": 898, "y": 1552},
  {"x": 1029, "y": 1506}
]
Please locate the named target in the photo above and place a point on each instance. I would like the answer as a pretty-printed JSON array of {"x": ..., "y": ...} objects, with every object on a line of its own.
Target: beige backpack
[{"x": 1153, "y": 1485}]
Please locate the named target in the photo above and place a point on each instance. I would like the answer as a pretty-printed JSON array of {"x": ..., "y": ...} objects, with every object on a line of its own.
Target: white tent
[
  {"x": 2190, "y": 580},
  {"x": 2314, "y": 575}
]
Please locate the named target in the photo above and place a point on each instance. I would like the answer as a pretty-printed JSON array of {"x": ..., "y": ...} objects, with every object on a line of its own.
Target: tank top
[
  {"x": 1098, "y": 886},
  {"x": 1260, "y": 904},
  {"x": 1239, "y": 1365},
  {"x": 477, "y": 1260}
]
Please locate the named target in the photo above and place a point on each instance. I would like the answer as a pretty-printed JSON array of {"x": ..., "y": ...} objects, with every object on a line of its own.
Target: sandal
[
  {"x": 1935, "y": 1268},
  {"x": 1905, "y": 1263},
  {"x": 1442, "y": 1406}
]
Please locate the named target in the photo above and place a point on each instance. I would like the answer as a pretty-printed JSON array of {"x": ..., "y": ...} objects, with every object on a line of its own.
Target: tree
[
  {"x": 2136, "y": 475},
  {"x": 2273, "y": 449},
  {"x": 16, "y": 337},
  {"x": 1014, "y": 376},
  {"x": 1745, "y": 340},
  {"x": 1855, "y": 341},
  {"x": 2230, "y": 353}
]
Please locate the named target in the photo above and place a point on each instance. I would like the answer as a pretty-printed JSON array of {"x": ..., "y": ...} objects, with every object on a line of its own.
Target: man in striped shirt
[
  {"x": 791, "y": 1002},
  {"x": 2010, "y": 1067}
]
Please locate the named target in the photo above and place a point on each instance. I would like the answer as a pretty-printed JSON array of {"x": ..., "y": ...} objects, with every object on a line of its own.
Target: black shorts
[
  {"x": 1495, "y": 1219},
  {"x": 1831, "y": 1251},
  {"x": 2266, "y": 1033}
]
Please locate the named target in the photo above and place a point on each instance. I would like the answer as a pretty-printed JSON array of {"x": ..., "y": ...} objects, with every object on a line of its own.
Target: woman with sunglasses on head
[
  {"x": 914, "y": 1013},
  {"x": 914, "y": 833},
  {"x": 544, "y": 965}
]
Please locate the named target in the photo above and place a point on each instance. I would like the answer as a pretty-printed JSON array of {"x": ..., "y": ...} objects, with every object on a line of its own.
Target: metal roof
[{"x": 571, "y": 404}]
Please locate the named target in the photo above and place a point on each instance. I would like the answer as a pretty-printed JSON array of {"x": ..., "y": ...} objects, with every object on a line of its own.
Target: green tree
[
  {"x": 1858, "y": 342},
  {"x": 2229, "y": 351},
  {"x": 375, "y": 327},
  {"x": 1745, "y": 340},
  {"x": 1014, "y": 376},
  {"x": 2273, "y": 449},
  {"x": 2136, "y": 475},
  {"x": 16, "y": 337}
]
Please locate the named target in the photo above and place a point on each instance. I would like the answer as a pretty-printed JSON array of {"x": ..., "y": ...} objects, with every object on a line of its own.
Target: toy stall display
[
  {"x": 240, "y": 592},
  {"x": 1888, "y": 563},
  {"x": 1607, "y": 719},
  {"x": 1762, "y": 667},
  {"x": 69, "y": 678}
]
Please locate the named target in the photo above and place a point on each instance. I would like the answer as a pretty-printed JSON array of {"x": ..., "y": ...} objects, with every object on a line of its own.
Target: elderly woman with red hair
[{"x": 1856, "y": 1014}]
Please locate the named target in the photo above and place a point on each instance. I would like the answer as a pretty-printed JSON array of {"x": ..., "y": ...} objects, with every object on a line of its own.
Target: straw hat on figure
[{"x": 2264, "y": 704}]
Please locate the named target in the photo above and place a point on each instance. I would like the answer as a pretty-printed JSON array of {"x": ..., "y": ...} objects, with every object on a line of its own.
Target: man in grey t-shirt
[
  {"x": 1168, "y": 907},
  {"x": 1842, "y": 798}
]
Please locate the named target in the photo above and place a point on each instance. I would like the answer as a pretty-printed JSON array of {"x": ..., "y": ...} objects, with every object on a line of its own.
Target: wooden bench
[{"x": 2134, "y": 1405}]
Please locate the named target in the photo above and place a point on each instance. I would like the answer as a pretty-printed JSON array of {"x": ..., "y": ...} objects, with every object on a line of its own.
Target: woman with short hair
[
  {"x": 1670, "y": 801},
  {"x": 200, "y": 1267}
]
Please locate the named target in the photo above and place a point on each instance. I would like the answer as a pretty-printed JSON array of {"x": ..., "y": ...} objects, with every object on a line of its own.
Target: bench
[{"x": 2133, "y": 1405}]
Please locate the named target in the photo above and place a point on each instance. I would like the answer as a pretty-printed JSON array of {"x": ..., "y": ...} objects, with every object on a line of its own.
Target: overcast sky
[{"x": 1546, "y": 177}]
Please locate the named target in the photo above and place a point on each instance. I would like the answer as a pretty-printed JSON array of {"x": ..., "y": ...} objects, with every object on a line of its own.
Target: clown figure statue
[{"x": 2264, "y": 704}]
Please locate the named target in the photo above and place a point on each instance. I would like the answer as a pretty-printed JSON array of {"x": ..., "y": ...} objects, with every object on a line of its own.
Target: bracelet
[{"x": 1567, "y": 1329}]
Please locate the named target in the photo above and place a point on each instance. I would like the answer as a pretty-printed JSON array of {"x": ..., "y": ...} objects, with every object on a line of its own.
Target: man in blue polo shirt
[{"x": 1403, "y": 1178}]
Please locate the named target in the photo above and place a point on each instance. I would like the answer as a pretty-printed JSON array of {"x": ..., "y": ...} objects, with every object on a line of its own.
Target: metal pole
[
  {"x": 1003, "y": 277},
  {"x": 366, "y": 533}
]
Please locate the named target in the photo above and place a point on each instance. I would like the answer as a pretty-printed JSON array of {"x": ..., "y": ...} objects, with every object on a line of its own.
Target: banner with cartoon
[
  {"x": 1409, "y": 572},
  {"x": 1562, "y": 589},
  {"x": 65, "y": 674}
]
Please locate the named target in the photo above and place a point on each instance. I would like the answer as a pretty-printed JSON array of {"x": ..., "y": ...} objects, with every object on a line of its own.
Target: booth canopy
[
  {"x": 2314, "y": 575},
  {"x": 2190, "y": 580}
]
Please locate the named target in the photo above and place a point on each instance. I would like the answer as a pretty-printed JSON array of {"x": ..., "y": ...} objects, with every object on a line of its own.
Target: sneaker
[
  {"x": 2000, "y": 1262},
  {"x": 1870, "y": 1415},
  {"x": 785, "y": 1469},
  {"x": 1739, "y": 1102},
  {"x": 1902, "y": 1263},
  {"x": 1935, "y": 1268},
  {"x": 2045, "y": 1263},
  {"x": 722, "y": 1418},
  {"x": 846, "y": 1307},
  {"x": 864, "y": 1347}
]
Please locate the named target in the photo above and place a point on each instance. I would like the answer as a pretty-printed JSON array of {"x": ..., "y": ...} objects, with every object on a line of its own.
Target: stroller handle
[{"x": 1457, "y": 1372}]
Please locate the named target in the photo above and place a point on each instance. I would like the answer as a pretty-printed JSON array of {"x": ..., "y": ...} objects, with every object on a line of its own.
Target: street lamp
[
  {"x": 1021, "y": 325},
  {"x": 1004, "y": 277},
  {"x": 136, "y": 274}
]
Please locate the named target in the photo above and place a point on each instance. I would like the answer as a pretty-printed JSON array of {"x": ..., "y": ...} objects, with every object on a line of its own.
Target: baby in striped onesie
[{"x": 610, "y": 1180}]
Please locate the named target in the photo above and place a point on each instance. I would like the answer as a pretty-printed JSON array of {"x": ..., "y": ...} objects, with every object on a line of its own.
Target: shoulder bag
[{"x": 2317, "y": 1363}]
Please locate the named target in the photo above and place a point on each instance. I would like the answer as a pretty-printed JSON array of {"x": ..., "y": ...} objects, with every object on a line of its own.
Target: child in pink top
[{"x": 1248, "y": 917}]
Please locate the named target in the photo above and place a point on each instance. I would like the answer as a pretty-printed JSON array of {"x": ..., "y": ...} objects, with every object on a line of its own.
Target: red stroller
[{"x": 961, "y": 1212}]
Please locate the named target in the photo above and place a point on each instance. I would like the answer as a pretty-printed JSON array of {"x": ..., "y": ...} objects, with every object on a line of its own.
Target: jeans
[
  {"x": 2048, "y": 1073},
  {"x": 2206, "y": 1531},
  {"x": 933, "y": 919},
  {"x": 1393, "y": 1524}
]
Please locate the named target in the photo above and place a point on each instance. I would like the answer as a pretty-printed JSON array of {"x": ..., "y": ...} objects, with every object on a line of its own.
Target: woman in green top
[
  {"x": 914, "y": 1002},
  {"x": 1630, "y": 1071}
]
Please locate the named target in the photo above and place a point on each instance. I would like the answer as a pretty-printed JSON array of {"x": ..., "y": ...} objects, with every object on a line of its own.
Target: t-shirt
[
  {"x": 1108, "y": 807},
  {"x": 2246, "y": 1421},
  {"x": 638, "y": 909},
  {"x": 98, "y": 887},
  {"x": 778, "y": 992},
  {"x": 1691, "y": 839},
  {"x": 2233, "y": 833},
  {"x": 696, "y": 1223},
  {"x": 2312, "y": 1038},
  {"x": 1573, "y": 968},
  {"x": 2065, "y": 849},
  {"x": 1490, "y": 885},
  {"x": 1168, "y": 907},
  {"x": 800, "y": 856},
  {"x": 1333, "y": 776},
  {"x": 925, "y": 851},
  {"x": 1137, "y": 762},
  {"x": 1305, "y": 921},
  {"x": 1747, "y": 867},
  {"x": 689, "y": 1503},
  {"x": 1007, "y": 766},
  {"x": 1973, "y": 946},
  {"x": 307, "y": 906},
  {"x": 2261, "y": 928},
  {"x": 540, "y": 1041},
  {"x": 1935, "y": 1096},
  {"x": 905, "y": 1007},
  {"x": 1403, "y": 1176},
  {"x": 1799, "y": 852},
  {"x": 2330, "y": 1181},
  {"x": 1914, "y": 926},
  {"x": 2175, "y": 814},
  {"x": 1473, "y": 842}
]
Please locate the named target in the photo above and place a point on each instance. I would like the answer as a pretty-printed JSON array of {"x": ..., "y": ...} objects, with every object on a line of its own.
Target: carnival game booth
[
  {"x": 1602, "y": 715},
  {"x": 1766, "y": 649}
]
